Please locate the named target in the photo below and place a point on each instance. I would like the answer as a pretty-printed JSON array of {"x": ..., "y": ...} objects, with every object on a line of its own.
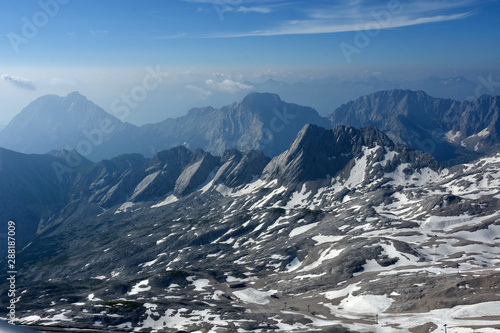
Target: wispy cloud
[
  {"x": 19, "y": 82},
  {"x": 219, "y": 84},
  {"x": 255, "y": 6},
  {"x": 228, "y": 86},
  {"x": 179, "y": 35},
  {"x": 228, "y": 2},
  {"x": 262, "y": 10},
  {"x": 308, "y": 27},
  {"x": 349, "y": 15}
]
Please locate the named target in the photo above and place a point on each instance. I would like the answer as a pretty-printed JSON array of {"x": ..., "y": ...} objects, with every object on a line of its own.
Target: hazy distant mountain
[
  {"x": 260, "y": 121},
  {"x": 445, "y": 128},
  {"x": 326, "y": 94},
  {"x": 2, "y": 127},
  {"x": 452, "y": 131},
  {"x": 457, "y": 88},
  {"x": 73, "y": 123}
]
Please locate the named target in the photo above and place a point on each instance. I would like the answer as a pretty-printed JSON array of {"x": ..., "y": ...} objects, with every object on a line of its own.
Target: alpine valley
[{"x": 261, "y": 216}]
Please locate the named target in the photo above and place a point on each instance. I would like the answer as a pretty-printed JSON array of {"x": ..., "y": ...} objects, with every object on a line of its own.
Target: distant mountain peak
[
  {"x": 273, "y": 82},
  {"x": 259, "y": 99},
  {"x": 399, "y": 93},
  {"x": 54, "y": 122},
  {"x": 450, "y": 130},
  {"x": 75, "y": 96}
]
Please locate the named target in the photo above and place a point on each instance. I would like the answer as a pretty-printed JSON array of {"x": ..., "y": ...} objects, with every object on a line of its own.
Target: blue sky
[{"x": 102, "y": 48}]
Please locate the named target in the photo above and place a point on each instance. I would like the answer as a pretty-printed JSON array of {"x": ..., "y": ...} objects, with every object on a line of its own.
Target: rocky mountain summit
[
  {"x": 71, "y": 122},
  {"x": 449, "y": 130},
  {"x": 345, "y": 231},
  {"x": 259, "y": 121},
  {"x": 319, "y": 154}
]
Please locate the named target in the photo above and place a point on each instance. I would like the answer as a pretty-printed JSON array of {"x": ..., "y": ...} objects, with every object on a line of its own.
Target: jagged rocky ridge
[
  {"x": 319, "y": 154},
  {"x": 379, "y": 230},
  {"x": 449, "y": 130},
  {"x": 47, "y": 181}
]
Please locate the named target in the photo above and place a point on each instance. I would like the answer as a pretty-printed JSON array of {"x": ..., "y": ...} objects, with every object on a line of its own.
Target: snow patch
[
  {"x": 92, "y": 298},
  {"x": 342, "y": 292},
  {"x": 100, "y": 277},
  {"x": 298, "y": 198},
  {"x": 476, "y": 310},
  {"x": 366, "y": 303},
  {"x": 321, "y": 239},
  {"x": 442, "y": 222},
  {"x": 331, "y": 253},
  {"x": 254, "y": 296},
  {"x": 124, "y": 207},
  {"x": 293, "y": 265},
  {"x": 301, "y": 230},
  {"x": 139, "y": 288},
  {"x": 170, "y": 199},
  {"x": 453, "y": 136},
  {"x": 200, "y": 284}
]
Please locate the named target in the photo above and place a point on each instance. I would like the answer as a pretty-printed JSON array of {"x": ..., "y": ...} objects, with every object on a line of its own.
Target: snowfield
[{"x": 408, "y": 250}]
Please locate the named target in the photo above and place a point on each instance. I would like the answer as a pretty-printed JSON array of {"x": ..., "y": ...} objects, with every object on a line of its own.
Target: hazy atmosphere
[
  {"x": 220, "y": 166},
  {"x": 214, "y": 52}
]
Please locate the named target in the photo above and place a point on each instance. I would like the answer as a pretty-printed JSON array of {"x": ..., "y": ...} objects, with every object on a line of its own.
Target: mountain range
[
  {"x": 259, "y": 121},
  {"x": 347, "y": 229},
  {"x": 326, "y": 94},
  {"x": 442, "y": 127},
  {"x": 452, "y": 131},
  {"x": 342, "y": 226}
]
